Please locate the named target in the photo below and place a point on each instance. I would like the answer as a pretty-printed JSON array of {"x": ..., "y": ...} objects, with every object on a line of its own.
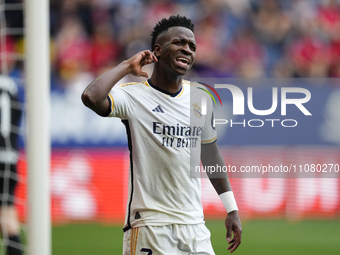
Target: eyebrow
[{"x": 187, "y": 40}]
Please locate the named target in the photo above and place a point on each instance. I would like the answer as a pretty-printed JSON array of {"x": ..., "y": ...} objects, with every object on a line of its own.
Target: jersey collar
[{"x": 163, "y": 91}]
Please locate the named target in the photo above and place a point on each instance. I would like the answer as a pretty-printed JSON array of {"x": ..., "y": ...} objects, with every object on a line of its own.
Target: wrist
[
  {"x": 126, "y": 66},
  {"x": 229, "y": 201},
  {"x": 235, "y": 212}
]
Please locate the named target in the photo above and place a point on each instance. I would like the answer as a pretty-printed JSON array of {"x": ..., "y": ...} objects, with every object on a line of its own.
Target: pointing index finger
[{"x": 154, "y": 57}]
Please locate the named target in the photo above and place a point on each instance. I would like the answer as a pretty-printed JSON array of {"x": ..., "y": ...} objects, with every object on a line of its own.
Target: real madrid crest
[{"x": 197, "y": 110}]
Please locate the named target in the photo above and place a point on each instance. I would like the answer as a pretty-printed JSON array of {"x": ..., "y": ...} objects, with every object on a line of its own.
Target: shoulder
[
  {"x": 194, "y": 85},
  {"x": 132, "y": 86},
  {"x": 195, "y": 88}
]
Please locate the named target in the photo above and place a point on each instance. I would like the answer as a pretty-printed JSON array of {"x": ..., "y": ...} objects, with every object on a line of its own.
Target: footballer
[{"x": 167, "y": 136}]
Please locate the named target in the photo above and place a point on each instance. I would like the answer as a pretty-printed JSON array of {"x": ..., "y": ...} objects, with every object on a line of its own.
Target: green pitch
[{"x": 259, "y": 237}]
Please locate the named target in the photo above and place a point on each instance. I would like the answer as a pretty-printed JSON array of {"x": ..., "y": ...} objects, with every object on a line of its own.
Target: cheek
[
  {"x": 166, "y": 54},
  {"x": 193, "y": 57}
]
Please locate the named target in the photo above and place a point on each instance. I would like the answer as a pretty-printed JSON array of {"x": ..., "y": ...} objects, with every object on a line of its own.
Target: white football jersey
[{"x": 165, "y": 133}]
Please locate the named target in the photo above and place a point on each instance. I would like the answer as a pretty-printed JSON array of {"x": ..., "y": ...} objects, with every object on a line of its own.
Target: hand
[
  {"x": 139, "y": 60},
  {"x": 233, "y": 225}
]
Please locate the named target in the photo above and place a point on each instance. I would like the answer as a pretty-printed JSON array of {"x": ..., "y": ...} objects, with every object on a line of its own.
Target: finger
[
  {"x": 236, "y": 241},
  {"x": 144, "y": 74},
  {"x": 147, "y": 58},
  {"x": 237, "y": 235},
  {"x": 142, "y": 55},
  {"x": 148, "y": 54},
  {"x": 231, "y": 241},
  {"x": 155, "y": 59},
  {"x": 233, "y": 247},
  {"x": 149, "y": 61},
  {"x": 145, "y": 55},
  {"x": 151, "y": 57}
]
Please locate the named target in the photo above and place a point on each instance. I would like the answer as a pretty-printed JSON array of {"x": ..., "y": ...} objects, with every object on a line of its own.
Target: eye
[{"x": 192, "y": 47}]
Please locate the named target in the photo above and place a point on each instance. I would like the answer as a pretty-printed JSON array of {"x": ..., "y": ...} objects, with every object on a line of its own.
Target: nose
[{"x": 186, "y": 49}]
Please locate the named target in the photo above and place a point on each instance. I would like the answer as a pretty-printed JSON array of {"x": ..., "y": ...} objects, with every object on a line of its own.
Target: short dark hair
[{"x": 165, "y": 24}]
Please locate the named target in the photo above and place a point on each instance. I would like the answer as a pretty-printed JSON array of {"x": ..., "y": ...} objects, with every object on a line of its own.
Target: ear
[{"x": 157, "y": 48}]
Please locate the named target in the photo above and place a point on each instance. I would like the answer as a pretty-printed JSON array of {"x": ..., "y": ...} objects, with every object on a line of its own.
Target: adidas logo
[
  {"x": 137, "y": 216},
  {"x": 158, "y": 109}
]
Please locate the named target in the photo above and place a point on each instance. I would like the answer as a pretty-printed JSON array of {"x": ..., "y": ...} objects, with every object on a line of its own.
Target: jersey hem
[{"x": 159, "y": 224}]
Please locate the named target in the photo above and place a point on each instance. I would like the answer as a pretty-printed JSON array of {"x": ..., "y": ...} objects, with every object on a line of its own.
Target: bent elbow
[
  {"x": 100, "y": 107},
  {"x": 86, "y": 100}
]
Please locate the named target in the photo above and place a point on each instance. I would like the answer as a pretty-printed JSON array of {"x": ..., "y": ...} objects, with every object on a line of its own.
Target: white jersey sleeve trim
[{"x": 210, "y": 141}]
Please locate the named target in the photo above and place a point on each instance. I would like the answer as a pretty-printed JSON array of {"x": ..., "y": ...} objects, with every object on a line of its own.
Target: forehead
[{"x": 180, "y": 33}]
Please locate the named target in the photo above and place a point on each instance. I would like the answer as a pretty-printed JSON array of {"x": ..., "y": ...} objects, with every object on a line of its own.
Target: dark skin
[
  {"x": 175, "y": 43},
  {"x": 173, "y": 54},
  {"x": 211, "y": 156}
]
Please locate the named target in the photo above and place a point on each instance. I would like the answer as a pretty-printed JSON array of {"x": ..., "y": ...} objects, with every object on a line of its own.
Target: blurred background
[{"x": 254, "y": 39}]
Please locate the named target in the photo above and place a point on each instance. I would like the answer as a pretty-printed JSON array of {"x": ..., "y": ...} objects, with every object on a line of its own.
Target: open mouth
[{"x": 183, "y": 62}]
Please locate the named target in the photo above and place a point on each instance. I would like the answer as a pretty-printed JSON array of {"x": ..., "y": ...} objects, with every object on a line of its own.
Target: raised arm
[
  {"x": 95, "y": 94},
  {"x": 211, "y": 156}
]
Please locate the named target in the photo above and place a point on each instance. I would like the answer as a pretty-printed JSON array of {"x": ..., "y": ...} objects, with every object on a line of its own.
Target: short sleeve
[
  {"x": 209, "y": 133},
  {"x": 121, "y": 103}
]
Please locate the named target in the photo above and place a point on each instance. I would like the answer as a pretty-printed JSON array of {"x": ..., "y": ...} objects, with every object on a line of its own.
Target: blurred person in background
[
  {"x": 328, "y": 19},
  {"x": 309, "y": 54},
  {"x": 72, "y": 47},
  {"x": 279, "y": 29},
  {"x": 245, "y": 55},
  {"x": 272, "y": 27}
]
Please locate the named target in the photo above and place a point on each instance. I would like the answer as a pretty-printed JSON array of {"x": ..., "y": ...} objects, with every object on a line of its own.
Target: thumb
[{"x": 144, "y": 74}]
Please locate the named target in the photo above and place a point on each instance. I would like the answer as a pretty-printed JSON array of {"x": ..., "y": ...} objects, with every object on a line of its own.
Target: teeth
[{"x": 183, "y": 59}]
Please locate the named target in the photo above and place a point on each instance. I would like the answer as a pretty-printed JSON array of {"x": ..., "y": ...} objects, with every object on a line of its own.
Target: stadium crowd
[{"x": 244, "y": 38}]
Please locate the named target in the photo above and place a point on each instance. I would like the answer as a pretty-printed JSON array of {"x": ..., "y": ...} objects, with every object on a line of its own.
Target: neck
[{"x": 165, "y": 81}]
